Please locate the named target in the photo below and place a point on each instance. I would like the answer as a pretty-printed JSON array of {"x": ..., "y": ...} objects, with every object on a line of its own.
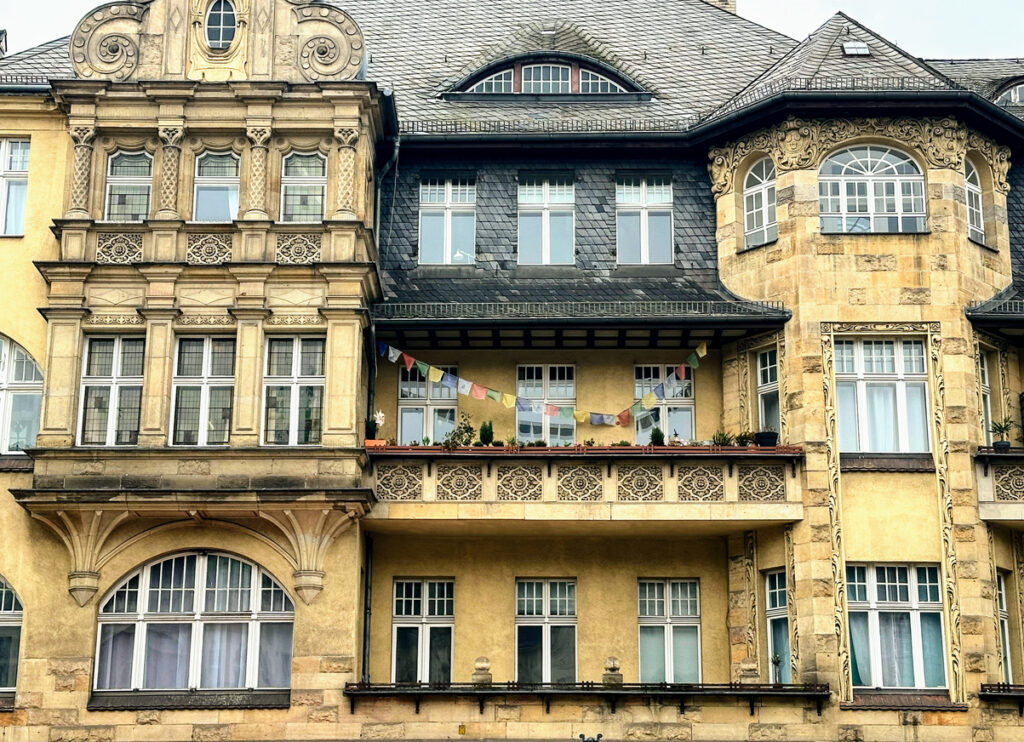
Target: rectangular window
[
  {"x": 426, "y": 409},
  {"x": 674, "y": 413},
  {"x": 546, "y": 631},
  {"x": 129, "y": 184},
  {"x": 447, "y": 222},
  {"x": 546, "y": 221},
  {"x": 546, "y": 78},
  {"x": 1004, "y": 629},
  {"x": 111, "y": 391},
  {"x": 543, "y": 388},
  {"x": 768, "y": 389},
  {"x": 882, "y": 390},
  {"x": 216, "y": 188},
  {"x": 303, "y": 187},
  {"x": 21, "y": 395},
  {"x": 293, "y": 391},
  {"x": 202, "y": 391},
  {"x": 13, "y": 185},
  {"x": 423, "y": 624},
  {"x": 644, "y": 220},
  {"x": 669, "y": 618},
  {"x": 777, "y": 613},
  {"x": 986, "y": 396},
  {"x": 896, "y": 635}
]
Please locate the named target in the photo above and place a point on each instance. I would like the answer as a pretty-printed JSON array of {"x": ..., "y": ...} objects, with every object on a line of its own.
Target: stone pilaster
[
  {"x": 259, "y": 137},
  {"x": 81, "y": 171},
  {"x": 170, "y": 157},
  {"x": 60, "y": 392},
  {"x": 345, "y": 377},
  {"x": 347, "y": 138}
]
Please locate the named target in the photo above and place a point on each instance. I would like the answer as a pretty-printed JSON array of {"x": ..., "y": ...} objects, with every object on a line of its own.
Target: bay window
[
  {"x": 111, "y": 391},
  {"x": 869, "y": 188},
  {"x": 447, "y": 221},
  {"x": 644, "y": 220},
  {"x": 21, "y": 395},
  {"x": 303, "y": 187},
  {"x": 129, "y": 185},
  {"x": 777, "y": 613},
  {"x": 760, "y": 223},
  {"x": 202, "y": 391},
  {"x": 13, "y": 185},
  {"x": 423, "y": 624},
  {"x": 426, "y": 409},
  {"x": 546, "y": 400},
  {"x": 669, "y": 616},
  {"x": 674, "y": 413},
  {"x": 545, "y": 631},
  {"x": 546, "y": 221},
  {"x": 293, "y": 391}
]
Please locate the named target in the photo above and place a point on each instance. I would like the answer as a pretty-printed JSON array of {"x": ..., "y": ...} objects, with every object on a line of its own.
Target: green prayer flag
[
  {"x": 423, "y": 367},
  {"x": 494, "y": 394},
  {"x": 693, "y": 361}
]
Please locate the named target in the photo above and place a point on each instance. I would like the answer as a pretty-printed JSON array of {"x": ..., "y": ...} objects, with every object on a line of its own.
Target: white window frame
[
  {"x": 10, "y": 176},
  {"x": 836, "y": 190},
  {"x": 1013, "y": 96},
  {"x": 501, "y": 82},
  {"x": 452, "y": 204},
  {"x": 115, "y": 382},
  {"x": 547, "y": 399},
  {"x": 295, "y": 381},
  {"x": 914, "y": 606},
  {"x": 597, "y": 84},
  {"x": 220, "y": 45},
  {"x": 288, "y": 181},
  {"x": 12, "y": 387},
  {"x": 547, "y": 620},
  {"x": 986, "y": 395},
  {"x": 657, "y": 373},
  {"x": 760, "y": 217},
  {"x": 776, "y": 602},
  {"x": 128, "y": 180},
  {"x": 1003, "y": 617},
  {"x": 197, "y": 618},
  {"x": 768, "y": 384},
  {"x": 200, "y": 181},
  {"x": 975, "y": 202},
  {"x": 11, "y": 615},
  {"x": 547, "y": 79},
  {"x": 649, "y": 204},
  {"x": 900, "y": 377},
  {"x": 546, "y": 207},
  {"x": 205, "y": 381},
  {"x": 670, "y": 620},
  {"x": 424, "y": 622},
  {"x": 437, "y": 397}
]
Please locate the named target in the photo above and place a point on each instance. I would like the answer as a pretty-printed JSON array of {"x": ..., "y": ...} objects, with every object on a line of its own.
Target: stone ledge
[
  {"x": 15, "y": 462},
  {"x": 887, "y": 462},
  {"x": 901, "y": 700},
  {"x": 7, "y": 701},
  {"x": 188, "y": 699}
]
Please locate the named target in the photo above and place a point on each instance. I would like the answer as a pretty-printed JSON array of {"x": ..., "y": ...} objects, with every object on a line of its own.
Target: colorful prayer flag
[
  {"x": 382, "y": 347},
  {"x": 581, "y": 417},
  {"x": 659, "y": 391},
  {"x": 609, "y": 419},
  {"x": 494, "y": 394},
  {"x": 623, "y": 418},
  {"x": 449, "y": 380},
  {"x": 423, "y": 368},
  {"x": 551, "y": 410},
  {"x": 464, "y": 386},
  {"x": 693, "y": 361},
  {"x": 408, "y": 360},
  {"x": 702, "y": 349},
  {"x": 394, "y": 354},
  {"x": 596, "y": 419},
  {"x": 435, "y": 374},
  {"x": 509, "y": 401},
  {"x": 681, "y": 371},
  {"x": 523, "y": 405},
  {"x": 478, "y": 392},
  {"x": 566, "y": 413},
  {"x": 649, "y": 400}
]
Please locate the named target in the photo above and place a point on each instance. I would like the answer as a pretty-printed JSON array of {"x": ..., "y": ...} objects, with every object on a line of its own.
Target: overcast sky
[{"x": 927, "y": 28}]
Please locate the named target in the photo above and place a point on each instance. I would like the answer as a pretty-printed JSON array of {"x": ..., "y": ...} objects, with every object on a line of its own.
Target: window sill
[
  {"x": 902, "y": 700},
  {"x": 15, "y": 462},
  {"x": 6, "y": 701},
  {"x": 11, "y": 236},
  {"x": 161, "y": 700},
  {"x": 979, "y": 243},
  {"x": 888, "y": 462},
  {"x": 751, "y": 248},
  {"x": 875, "y": 234}
]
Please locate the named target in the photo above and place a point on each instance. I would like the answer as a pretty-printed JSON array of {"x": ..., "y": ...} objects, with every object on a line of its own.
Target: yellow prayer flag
[
  {"x": 581, "y": 417},
  {"x": 649, "y": 400},
  {"x": 702, "y": 350},
  {"x": 435, "y": 374},
  {"x": 508, "y": 400}
]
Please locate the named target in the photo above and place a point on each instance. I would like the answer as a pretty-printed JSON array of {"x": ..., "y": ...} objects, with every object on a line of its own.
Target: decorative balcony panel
[{"x": 1000, "y": 477}]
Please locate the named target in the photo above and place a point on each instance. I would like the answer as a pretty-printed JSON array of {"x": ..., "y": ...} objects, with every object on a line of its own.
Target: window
[
  {"x": 1012, "y": 97},
  {"x": 447, "y": 222},
  {"x": 546, "y": 631},
  {"x": 669, "y": 616},
  {"x": 112, "y": 381},
  {"x": 204, "y": 384},
  {"x": 546, "y": 219},
  {"x": 777, "y": 613},
  {"x": 195, "y": 621},
  {"x": 426, "y": 409},
  {"x": 423, "y": 623},
  {"x": 21, "y": 395},
  {"x": 547, "y": 78},
  {"x": 768, "y": 389},
  {"x": 856, "y": 49},
  {"x": 871, "y": 189},
  {"x": 895, "y": 626},
  {"x": 882, "y": 386},
  {"x": 303, "y": 185},
  {"x": 499, "y": 82},
  {"x": 543, "y": 393},
  {"x": 975, "y": 212},
  {"x": 591, "y": 82},
  {"x": 216, "y": 188},
  {"x": 293, "y": 388},
  {"x": 760, "y": 224},
  {"x": 13, "y": 184},
  {"x": 674, "y": 413},
  {"x": 1004, "y": 629},
  {"x": 129, "y": 182},
  {"x": 220, "y": 24},
  {"x": 986, "y": 396},
  {"x": 644, "y": 220},
  {"x": 10, "y": 636}
]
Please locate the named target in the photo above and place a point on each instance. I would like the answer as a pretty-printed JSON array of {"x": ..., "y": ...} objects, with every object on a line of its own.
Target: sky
[{"x": 926, "y": 28}]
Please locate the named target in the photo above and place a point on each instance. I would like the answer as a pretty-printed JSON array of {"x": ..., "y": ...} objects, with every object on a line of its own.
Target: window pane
[
  {"x": 561, "y": 238},
  {"x": 309, "y": 166},
  {"x": 432, "y": 237},
  {"x": 563, "y": 654},
  {"x": 917, "y": 417},
  {"x": 440, "y": 654},
  {"x": 101, "y": 357},
  {"x": 407, "y": 653},
  {"x": 463, "y": 237},
  {"x": 530, "y": 426},
  {"x": 117, "y": 642},
  {"x": 779, "y": 629},
  {"x": 224, "y": 655},
  {"x": 279, "y": 357},
  {"x": 646, "y": 421},
  {"x": 14, "y": 208},
  {"x": 881, "y": 401},
  {"x": 444, "y": 423},
  {"x": 685, "y": 655},
  {"x": 659, "y": 237},
  {"x": 652, "y": 599},
  {"x": 411, "y": 425},
  {"x": 770, "y": 410},
  {"x": 680, "y": 422},
  {"x": 529, "y": 654},
  {"x": 530, "y": 238},
  {"x": 167, "y": 651},
  {"x": 172, "y": 585},
  {"x": 311, "y": 362},
  {"x": 628, "y": 237},
  {"x": 186, "y": 416},
  {"x": 218, "y": 426},
  {"x": 124, "y": 164},
  {"x": 897, "y": 649},
  {"x": 190, "y": 357},
  {"x": 275, "y": 655},
  {"x": 129, "y": 406},
  {"x": 228, "y": 585},
  {"x": 931, "y": 648},
  {"x": 277, "y": 415},
  {"x": 529, "y": 598},
  {"x": 218, "y": 166},
  {"x": 222, "y": 357},
  {"x": 24, "y": 421},
  {"x": 652, "y": 654},
  {"x": 128, "y": 203},
  {"x": 10, "y": 640},
  {"x": 310, "y": 410},
  {"x": 303, "y": 203},
  {"x": 132, "y": 356},
  {"x": 216, "y": 203},
  {"x": 860, "y": 648},
  {"x": 94, "y": 417},
  {"x": 847, "y": 421}
]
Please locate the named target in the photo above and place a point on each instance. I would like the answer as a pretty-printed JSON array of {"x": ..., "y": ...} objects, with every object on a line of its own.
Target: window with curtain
[
  {"x": 423, "y": 622},
  {"x": 986, "y": 396},
  {"x": 545, "y": 631},
  {"x": 129, "y": 185},
  {"x": 644, "y": 220},
  {"x": 895, "y": 626},
  {"x": 10, "y": 636},
  {"x": 768, "y": 389},
  {"x": 195, "y": 620},
  {"x": 426, "y": 409},
  {"x": 1004, "y": 628},
  {"x": 547, "y": 221},
  {"x": 216, "y": 187},
  {"x": 869, "y": 188},
  {"x": 13, "y": 185},
  {"x": 975, "y": 210},
  {"x": 303, "y": 187},
  {"x": 447, "y": 221},
  {"x": 760, "y": 223},
  {"x": 293, "y": 391},
  {"x": 21, "y": 395},
  {"x": 882, "y": 390},
  {"x": 111, "y": 398},
  {"x": 777, "y": 612},
  {"x": 202, "y": 390},
  {"x": 669, "y": 615},
  {"x": 674, "y": 414},
  {"x": 546, "y": 400}
]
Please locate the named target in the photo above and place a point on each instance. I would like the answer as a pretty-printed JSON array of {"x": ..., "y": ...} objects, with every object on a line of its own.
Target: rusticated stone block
[
  {"x": 757, "y": 731},
  {"x": 81, "y": 734},
  {"x": 974, "y": 662},
  {"x": 857, "y": 297},
  {"x": 323, "y": 715},
  {"x": 972, "y": 625},
  {"x": 145, "y": 718},
  {"x": 981, "y": 734},
  {"x": 307, "y": 698},
  {"x": 916, "y": 296},
  {"x": 211, "y": 732},
  {"x": 871, "y": 263},
  {"x": 28, "y": 700},
  {"x": 967, "y": 569},
  {"x": 964, "y": 533},
  {"x": 193, "y": 466},
  {"x": 507, "y": 713},
  {"x": 337, "y": 663},
  {"x": 956, "y": 347},
  {"x": 52, "y": 717},
  {"x": 657, "y": 730},
  {"x": 938, "y": 263},
  {"x": 382, "y": 731},
  {"x": 850, "y": 733}
]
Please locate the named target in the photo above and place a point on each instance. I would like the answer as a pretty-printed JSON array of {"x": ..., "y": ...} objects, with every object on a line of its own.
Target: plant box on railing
[{"x": 582, "y": 450}]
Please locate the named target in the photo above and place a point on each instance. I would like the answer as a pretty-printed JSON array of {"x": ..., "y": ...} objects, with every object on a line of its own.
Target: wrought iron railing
[{"x": 541, "y": 310}]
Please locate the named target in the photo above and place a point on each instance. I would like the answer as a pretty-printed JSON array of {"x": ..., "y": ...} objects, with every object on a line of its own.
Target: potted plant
[
  {"x": 769, "y": 437},
  {"x": 1002, "y": 428},
  {"x": 721, "y": 438},
  {"x": 461, "y": 435},
  {"x": 744, "y": 438},
  {"x": 372, "y": 426},
  {"x": 657, "y": 437},
  {"x": 674, "y": 439},
  {"x": 486, "y": 433}
]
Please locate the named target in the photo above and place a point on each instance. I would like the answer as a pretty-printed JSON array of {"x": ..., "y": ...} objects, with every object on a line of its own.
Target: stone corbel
[
  {"x": 259, "y": 137},
  {"x": 81, "y": 173},
  {"x": 170, "y": 157},
  {"x": 347, "y": 138}
]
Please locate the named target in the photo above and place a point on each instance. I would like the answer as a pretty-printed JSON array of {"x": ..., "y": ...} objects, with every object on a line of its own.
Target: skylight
[{"x": 856, "y": 49}]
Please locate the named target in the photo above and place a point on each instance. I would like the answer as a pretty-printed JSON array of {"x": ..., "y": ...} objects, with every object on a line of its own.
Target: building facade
[{"x": 456, "y": 371}]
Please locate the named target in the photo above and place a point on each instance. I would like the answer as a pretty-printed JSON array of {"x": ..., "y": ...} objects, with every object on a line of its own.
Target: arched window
[
  {"x": 21, "y": 394},
  {"x": 555, "y": 76},
  {"x": 870, "y": 188},
  {"x": 759, "y": 221},
  {"x": 195, "y": 620},
  {"x": 10, "y": 636},
  {"x": 975, "y": 212},
  {"x": 220, "y": 24},
  {"x": 1012, "y": 97}
]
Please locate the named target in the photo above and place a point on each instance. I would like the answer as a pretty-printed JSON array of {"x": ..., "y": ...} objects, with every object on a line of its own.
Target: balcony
[{"x": 1000, "y": 477}]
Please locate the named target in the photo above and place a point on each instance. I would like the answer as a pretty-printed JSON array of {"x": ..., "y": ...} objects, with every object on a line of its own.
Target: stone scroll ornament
[
  {"x": 105, "y": 44},
  {"x": 330, "y": 44}
]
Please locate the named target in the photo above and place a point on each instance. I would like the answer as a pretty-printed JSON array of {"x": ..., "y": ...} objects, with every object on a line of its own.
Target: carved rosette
[
  {"x": 701, "y": 484},
  {"x": 105, "y": 44},
  {"x": 170, "y": 156},
  {"x": 580, "y": 482},
  {"x": 118, "y": 249},
  {"x": 641, "y": 483},
  {"x": 758, "y": 483},
  {"x": 399, "y": 482},
  {"x": 523, "y": 482},
  {"x": 331, "y": 44},
  {"x": 459, "y": 482},
  {"x": 1009, "y": 482},
  {"x": 81, "y": 172},
  {"x": 347, "y": 138},
  {"x": 298, "y": 249},
  {"x": 258, "y": 137},
  {"x": 208, "y": 249}
]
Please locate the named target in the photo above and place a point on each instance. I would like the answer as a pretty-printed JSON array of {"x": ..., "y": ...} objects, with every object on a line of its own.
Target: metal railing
[{"x": 541, "y": 310}]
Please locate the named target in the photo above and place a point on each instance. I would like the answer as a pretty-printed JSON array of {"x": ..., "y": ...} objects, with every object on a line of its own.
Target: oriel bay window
[
  {"x": 644, "y": 220},
  {"x": 760, "y": 223},
  {"x": 423, "y": 623},
  {"x": 882, "y": 389},
  {"x": 303, "y": 187},
  {"x": 669, "y": 616},
  {"x": 203, "y": 387},
  {"x": 129, "y": 185},
  {"x": 21, "y": 394},
  {"x": 10, "y": 636},
  {"x": 543, "y": 393},
  {"x": 111, "y": 391},
  {"x": 777, "y": 613},
  {"x": 13, "y": 185},
  {"x": 426, "y": 409},
  {"x": 871, "y": 189},
  {"x": 293, "y": 391},
  {"x": 546, "y": 631},
  {"x": 546, "y": 220},
  {"x": 195, "y": 621},
  {"x": 447, "y": 221},
  {"x": 216, "y": 187},
  {"x": 673, "y": 414},
  {"x": 896, "y": 634}
]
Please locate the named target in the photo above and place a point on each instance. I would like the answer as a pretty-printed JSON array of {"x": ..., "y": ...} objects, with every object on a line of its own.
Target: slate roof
[{"x": 38, "y": 65}]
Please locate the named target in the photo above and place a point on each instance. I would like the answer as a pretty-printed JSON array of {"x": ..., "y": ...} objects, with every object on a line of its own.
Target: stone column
[
  {"x": 258, "y": 137},
  {"x": 156, "y": 386},
  {"x": 170, "y": 157},
  {"x": 245, "y": 418},
  {"x": 60, "y": 391},
  {"x": 81, "y": 174},
  {"x": 347, "y": 138},
  {"x": 345, "y": 378}
]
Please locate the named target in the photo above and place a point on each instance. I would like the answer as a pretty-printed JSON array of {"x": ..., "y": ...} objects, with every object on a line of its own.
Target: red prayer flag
[
  {"x": 551, "y": 410},
  {"x": 408, "y": 360},
  {"x": 681, "y": 371},
  {"x": 478, "y": 392},
  {"x": 623, "y": 417}
]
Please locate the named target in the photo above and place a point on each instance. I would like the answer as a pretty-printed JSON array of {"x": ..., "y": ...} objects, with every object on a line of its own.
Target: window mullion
[
  {"x": 917, "y": 647},
  {"x": 902, "y": 422}
]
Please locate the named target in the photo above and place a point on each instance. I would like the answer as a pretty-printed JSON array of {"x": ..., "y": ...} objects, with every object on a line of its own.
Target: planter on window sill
[
  {"x": 1001, "y": 446},
  {"x": 374, "y": 442},
  {"x": 582, "y": 450}
]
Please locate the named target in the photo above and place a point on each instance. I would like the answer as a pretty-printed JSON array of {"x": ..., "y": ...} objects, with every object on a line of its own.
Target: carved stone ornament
[
  {"x": 298, "y": 249},
  {"x": 330, "y": 44},
  {"x": 208, "y": 249},
  {"x": 761, "y": 483},
  {"x": 579, "y": 482},
  {"x": 105, "y": 44},
  {"x": 459, "y": 482},
  {"x": 114, "y": 320},
  {"x": 218, "y": 65},
  {"x": 301, "y": 320},
  {"x": 524, "y": 482},
  {"x": 81, "y": 173},
  {"x": 996, "y": 155},
  {"x": 1009, "y": 482},
  {"x": 204, "y": 320},
  {"x": 701, "y": 484},
  {"x": 399, "y": 482},
  {"x": 118, "y": 249},
  {"x": 641, "y": 482}
]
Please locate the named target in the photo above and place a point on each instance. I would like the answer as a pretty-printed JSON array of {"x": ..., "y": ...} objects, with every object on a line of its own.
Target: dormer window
[
  {"x": 547, "y": 77},
  {"x": 1012, "y": 97},
  {"x": 220, "y": 24}
]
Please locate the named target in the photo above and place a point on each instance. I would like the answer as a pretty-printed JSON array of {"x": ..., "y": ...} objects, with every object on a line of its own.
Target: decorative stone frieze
[
  {"x": 459, "y": 482},
  {"x": 399, "y": 482},
  {"x": 761, "y": 483},
  {"x": 106, "y": 42},
  {"x": 208, "y": 249},
  {"x": 700, "y": 484},
  {"x": 524, "y": 482},
  {"x": 298, "y": 249},
  {"x": 640, "y": 482},
  {"x": 204, "y": 320},
  {"x": 579, "y": 482},
  {"x": 296, "y": 320},
  {"x": 794, "y": 627},
  {"x": 114, "y": 320},
  {"x": 1009, "y": 482},
  {"x": 118, "y": 249}
]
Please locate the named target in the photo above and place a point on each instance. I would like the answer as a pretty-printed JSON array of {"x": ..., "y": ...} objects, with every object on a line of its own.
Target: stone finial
[
  {"x": 481, "y": 671},
  {"x": 612, "y": 675}
]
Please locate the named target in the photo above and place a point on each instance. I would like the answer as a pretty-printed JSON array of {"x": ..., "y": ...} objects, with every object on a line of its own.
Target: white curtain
[
  {"x": 848, "y": 438},
  {"x": 917, "y": 417},
  {"x": 224, "y": 649},
  {"x": 897, "y": 649},
  {"x": 685, "y": 655},
  {"x": 167, "y": 649},
  {"x": 115, "y": 656},
  {"x": 275, "y": 655},
  {"x": 860, "y": 648},
  {"x": 882, "y": 435}
]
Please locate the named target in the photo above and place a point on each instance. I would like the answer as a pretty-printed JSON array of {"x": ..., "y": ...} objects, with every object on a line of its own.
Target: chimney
[
  {"x": 3, "y": 43},
  {"x": 729, "y": 5}
]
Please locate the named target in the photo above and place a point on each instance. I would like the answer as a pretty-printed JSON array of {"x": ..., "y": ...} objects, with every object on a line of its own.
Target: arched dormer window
[
  {"x": 871, "y": 188},
  {"x": 21, "y": 394},
  {"x": 220, "y": 24},
  {"x": 1012, "y": 96},
  {"x": 10, "y": 636},
  {"x": 975, "y": 211},
  {"x": 760, "y": 225},
  {"x": 547, "y": 76},
  {"x": 195, "y": 620}
]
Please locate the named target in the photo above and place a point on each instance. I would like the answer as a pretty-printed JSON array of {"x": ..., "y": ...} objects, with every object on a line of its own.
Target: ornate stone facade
[{"x": 701, "y": 483}]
